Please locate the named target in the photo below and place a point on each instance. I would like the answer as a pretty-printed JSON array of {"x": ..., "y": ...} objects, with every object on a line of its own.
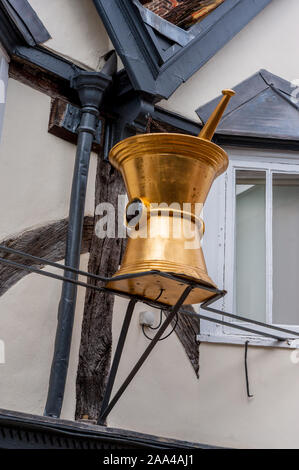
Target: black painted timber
[
  {"x": 149, "y": 69},
  {"x": 25, "y": 431}
]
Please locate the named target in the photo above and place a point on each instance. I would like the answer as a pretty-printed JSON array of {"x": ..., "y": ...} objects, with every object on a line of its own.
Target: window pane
[
  {"x": 250, "y": 260},
  {"x": 286, "y": 249}
]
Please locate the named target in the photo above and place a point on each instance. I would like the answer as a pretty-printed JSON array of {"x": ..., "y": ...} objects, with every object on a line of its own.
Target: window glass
[
  {"x": 286, "y": 249},
  {"x": 250, "y": 244}
]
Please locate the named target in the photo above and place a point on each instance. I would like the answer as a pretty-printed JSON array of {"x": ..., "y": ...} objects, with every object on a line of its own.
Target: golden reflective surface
[{"x": 166, "y": 168}]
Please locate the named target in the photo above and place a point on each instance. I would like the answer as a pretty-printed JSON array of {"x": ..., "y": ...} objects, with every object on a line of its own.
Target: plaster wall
[
  {"x": 76, "y": 29},
  {"x": 35, "y": 185},
  {"x": 165, "y": 398},
  {"x": 28, "y": 319},
  {"x": 268, "y": 42},
  {"x": 36, "y": 167}
]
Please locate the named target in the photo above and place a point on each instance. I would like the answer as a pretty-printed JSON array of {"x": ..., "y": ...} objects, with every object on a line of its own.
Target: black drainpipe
[{"x": 91, "y": 87}]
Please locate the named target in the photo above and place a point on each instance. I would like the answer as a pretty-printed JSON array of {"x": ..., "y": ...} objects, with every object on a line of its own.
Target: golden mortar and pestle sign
[{"x": 164, "y": 174}]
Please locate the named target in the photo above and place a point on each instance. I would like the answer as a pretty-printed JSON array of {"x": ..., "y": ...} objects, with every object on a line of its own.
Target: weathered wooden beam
[
  {"x": 41, "y": 80},
  {"x": 96, "y": 337},
  {"x": 65, "y": 120},
  {"x": 187, "y": 330},
  {"x": 47, "y": 242}
]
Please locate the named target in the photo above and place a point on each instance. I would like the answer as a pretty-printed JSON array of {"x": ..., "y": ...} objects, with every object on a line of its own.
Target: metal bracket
[
  {"x": 65, "y": 120},
  {"x": 107, "y": 405},
  {"x": 246, "y": 370},
  {"x": 130, "y": 118}
]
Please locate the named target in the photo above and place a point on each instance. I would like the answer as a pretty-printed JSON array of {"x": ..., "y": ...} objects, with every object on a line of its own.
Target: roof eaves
[
  {"x": 42, "y": 426},
  {"x": 159, "y": 71},
  {"x": 25, "y": 22}
]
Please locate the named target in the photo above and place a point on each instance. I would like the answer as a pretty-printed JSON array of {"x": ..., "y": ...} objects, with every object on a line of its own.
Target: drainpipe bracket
[{"x": 91, "y": 87}]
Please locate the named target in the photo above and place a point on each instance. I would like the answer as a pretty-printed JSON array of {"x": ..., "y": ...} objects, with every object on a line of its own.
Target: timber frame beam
[
  {"x": 25, "y": 431},
  {"x": 132, "y": 98},
  {"x": 19, "y": 24},
  {"x": 128, "y": 109},
  {"x": 141, "y": 45}
]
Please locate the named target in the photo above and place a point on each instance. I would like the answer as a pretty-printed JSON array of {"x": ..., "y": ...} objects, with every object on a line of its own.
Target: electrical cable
[
  {"x": 160, "y": 322},
  {"x": 165, "y": 337},
  {"x": 161, "y": 314}
]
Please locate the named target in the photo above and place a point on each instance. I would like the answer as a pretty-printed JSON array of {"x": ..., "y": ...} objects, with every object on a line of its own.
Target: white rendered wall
[
  {"x": 76, "y": 30},
  {"x": 36, "y": 167},
  {"x": 35, "y": 185},
  {"x": 165, "y": 398},
  {"x": 28, "y": 320},
  {"x": 268, "y": 42}
]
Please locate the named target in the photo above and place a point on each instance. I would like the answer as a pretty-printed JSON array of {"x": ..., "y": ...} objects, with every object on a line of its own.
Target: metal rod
[
  {"x": 153, "y": 303},
  {"x": 209, "y": 128},
  {"x": 233, "y": 325},
  {"x": 146, "y": 353},
  {"x": 117, "y": 357},
  {"x": 157, "y": 304},
  {"x": 96, "y": 277},
  {"x": 204, "y": 306},
  {"x": 169, "y": 275},
  {"x": 41, "y": 272},
  {"x": 63, "y": 267},
  {"x": 90, "y": 87},
  {"x": 246, "y": 370},
  {"x": 47, "y": 262}
]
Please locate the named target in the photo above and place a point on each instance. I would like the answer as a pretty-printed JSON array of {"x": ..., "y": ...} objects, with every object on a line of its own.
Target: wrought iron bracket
[
  {"x": 107, "y": 405},
  {"x": 65, "y": 120},
  {"x": 128, "y": 117}
]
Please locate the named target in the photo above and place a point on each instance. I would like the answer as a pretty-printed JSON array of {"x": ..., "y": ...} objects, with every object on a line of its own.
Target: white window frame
[
  {"x": 219, "y": 241},
  {"x": 4, "y": 64}
]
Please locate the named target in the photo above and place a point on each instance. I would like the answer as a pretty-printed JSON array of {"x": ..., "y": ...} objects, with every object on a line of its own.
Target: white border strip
[{"x": 253, "y": 341}]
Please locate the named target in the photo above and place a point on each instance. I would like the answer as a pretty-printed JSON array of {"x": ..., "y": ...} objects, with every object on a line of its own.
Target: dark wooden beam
[
  {"x": 41, "y": 80},
  {"x": 47, "y": 242},
  {"x": 25, "y": 21},
  {"x": 25, "y": 431},
  {"x": 65, "y": 120},
  {"x": 187, "y": 330},
  {"x": 96, "y": 337},
  {"x": 142, "y": 49}
]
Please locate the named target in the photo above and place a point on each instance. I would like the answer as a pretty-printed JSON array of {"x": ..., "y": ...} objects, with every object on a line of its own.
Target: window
[
  {"x": 255, "y": 217},
  {"x": 250, "y": 244}
]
